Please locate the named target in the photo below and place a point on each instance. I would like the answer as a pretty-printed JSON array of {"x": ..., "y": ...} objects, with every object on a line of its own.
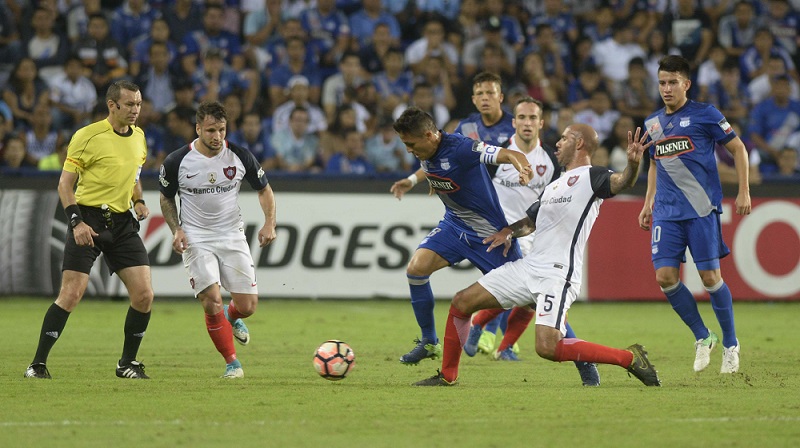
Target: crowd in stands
[{"x": 313, "y": 85}]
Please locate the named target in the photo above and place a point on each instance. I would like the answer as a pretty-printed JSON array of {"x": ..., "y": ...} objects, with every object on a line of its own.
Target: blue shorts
[
  {"x": 455, "y": 245},
  {"x": 703, "y": 237}
]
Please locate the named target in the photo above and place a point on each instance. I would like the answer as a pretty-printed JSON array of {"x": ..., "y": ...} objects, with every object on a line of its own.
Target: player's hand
[
  {"x": 179, "y": 241},
  {"x": 646, "y": 217},
  {"x": 743, "y": 205},
  {"x": 266, "y": 235},
  {"x": 525, "y": 174},
  {"x": 636, "y": 145},
  {"x": 141, "y": 211},
  {"x": 400, "y": 188},
  {"x": 501, "y": 238},
  {"x": 83, "y": 234}
]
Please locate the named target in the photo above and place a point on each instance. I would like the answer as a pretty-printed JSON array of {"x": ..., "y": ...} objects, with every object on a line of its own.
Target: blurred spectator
[
  {"x": 214, "y": 80},
  {"x": 759, "y": 88},
  {"x": 259, "y": 27},
  {"x": 364, "y": 22},
  {"x": 730, "y": 94},
  {"x": 140, "y": 56},
  {"x": 332, "y": 139},
  {"x": 601, "y": 25},
  {"x": 600, "y": 157},
  {"x": 256, "y": 139},
  {"x": 555, "y": 59},
  {"x": 297, "y": 64},
  {"x": 580, "y": 89},
  {"x": 432, "y": 43},
  {"x": 725, "y": 163},
  {"x": 275, "y": 53},
  {"x": 689, "y": 29},
  {"x": 78, "y": 18},
  {"x": 295, "y": 148},
  {"x": 385, "y": 151},
  {"x": 180, "y": 129},
  {"x": 330, "y": 30},
  {"x": 156, "y": 82},
  {"x": 754, "y": 59},
  {"x": 73, "y": 96},
  {"x": 41, "y": 138},
  {"x": 184, "y": 94},
  {"x": 422, "y": 97},
  {"x": 132, "y": 20},
  {"x": 599, "y": 115},
  {"x": 473, "y": 49},
  {"x": 736, "y": 32},
  {"x": 555, "y": 121},
  {"x": 101, "y": 55},
  {"x": 468, "y": 21},
  {"x": 10, "y": 45},
  {"x": 538, "y": 84},
  {"x": 149, "y": 121},
  {"x": 24, "y": 91},
  {"x": 197, "y": 43},
  {"x": 773, "y": 121},
  {"x": 351, "y": 160},
  {"x": 433, "y": 73},
  {"x": 614, "y": 54},
  {"x": 657, "y": 48},
  {"x": 784, "y": 23},
  {"x": 372, "y": 54},
  {"x": 637, "y": 98},
  {"x": 55, "y": 161},
  {"x": 393, "y": 85},
  {"x": 46, "y": 47},
  {"x": 510, "y": 28},
  {"x": 14, "y": 155},
  {"x": 561, "y": 21},
  {"x": 183, "y": 18},
  {"x": 233, "y": 105},
  {"x": 788, "y": 164},
  {"x": 617, "y": 142},
  {"x": 581, "y": 56},
  {"x": 350, "y": 75},
  {"x": 299, "y": 97},
  {"x": 710, "y": 71}
]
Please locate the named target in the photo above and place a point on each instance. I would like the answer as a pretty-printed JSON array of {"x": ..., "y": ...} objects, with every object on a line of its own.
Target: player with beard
[{"x": 209, "y": 232}]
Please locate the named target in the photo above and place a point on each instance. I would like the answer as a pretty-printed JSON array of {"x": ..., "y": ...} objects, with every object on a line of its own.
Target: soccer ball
[{"x": 334, "y": 360}]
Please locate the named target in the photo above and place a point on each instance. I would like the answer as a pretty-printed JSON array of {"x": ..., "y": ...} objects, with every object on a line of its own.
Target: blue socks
[
  {"x": 500, "y": 321},
  {"x": 683, "y": 303},
  {"x": 722, "y": 303},
  {"x": 422, "y": 303}
]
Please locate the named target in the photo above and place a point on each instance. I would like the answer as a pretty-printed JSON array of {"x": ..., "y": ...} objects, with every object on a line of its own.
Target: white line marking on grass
[
  {"x": 118, "y": 423},
  {"x": 734, "y": 419}
]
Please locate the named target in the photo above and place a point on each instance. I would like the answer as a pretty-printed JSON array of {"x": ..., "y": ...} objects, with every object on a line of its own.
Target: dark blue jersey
[
  {"x": 687, "y": 181},
  {"x": 457, "y": 175},
  {"x": 496, "y": 134}
]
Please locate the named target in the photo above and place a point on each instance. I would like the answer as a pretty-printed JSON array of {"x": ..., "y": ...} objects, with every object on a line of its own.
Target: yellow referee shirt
[{"x": 107, "y": 164}]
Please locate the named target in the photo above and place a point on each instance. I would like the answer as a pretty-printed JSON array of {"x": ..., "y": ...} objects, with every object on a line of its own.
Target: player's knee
[
  {"x": 141, "y": 300},
  {"x": 416, "y": 269},
  {"x": 462, "y": 303},
  {"x": 247, "y": 308},
  {"x": 545, "y": 349},
  {"x": 666, "y": 279},
  {"x": 710, "y": 278}
]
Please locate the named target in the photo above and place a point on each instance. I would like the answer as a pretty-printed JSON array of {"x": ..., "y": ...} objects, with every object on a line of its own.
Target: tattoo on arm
[
  {"x": 170, "y": 212},
  {"x": 624, "y": 180},
  {"x": 522, "y": 227}
]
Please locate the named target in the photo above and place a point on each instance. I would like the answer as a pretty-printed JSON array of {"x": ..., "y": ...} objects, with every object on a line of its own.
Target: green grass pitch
[{"x": 282, "y": 402}]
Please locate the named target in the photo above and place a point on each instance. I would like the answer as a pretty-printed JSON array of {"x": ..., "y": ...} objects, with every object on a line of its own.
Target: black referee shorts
[{"x": 118, "y": 239}]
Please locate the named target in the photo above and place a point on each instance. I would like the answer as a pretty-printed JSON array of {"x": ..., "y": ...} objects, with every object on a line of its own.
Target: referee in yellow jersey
[{"x": 105, "y": 158}]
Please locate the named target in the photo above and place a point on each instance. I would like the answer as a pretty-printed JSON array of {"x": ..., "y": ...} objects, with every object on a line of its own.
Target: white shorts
[
  {"x": 518, "y": 284},
  {"x": 228, "y": 263}
]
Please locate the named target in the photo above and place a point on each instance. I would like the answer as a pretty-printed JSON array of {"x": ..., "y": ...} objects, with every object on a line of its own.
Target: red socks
[
  {"x": 573, "y": 349},
  {"x": 518, "y": 321},
  {"x": 455, "y": 335},
  {"x": 233, "y": 313},
  {"x": 483, "y": 317},
  {"x": 221, "y": 334}
]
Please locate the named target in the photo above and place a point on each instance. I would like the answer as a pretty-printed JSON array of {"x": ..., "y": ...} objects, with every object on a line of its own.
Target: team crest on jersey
[
  {"x": 260, "y": 173},
  {"x": 541, "y": 169},
  {"x": 572, "y": 179},
  {"x": 445, "y": 164},
  {"x": 684, "y": 122},
  {"x": 162, "y": 176},
  {"x": 442, "y": 184},
  {"x": 212, "y": 177},
  {"x": 229, "y": 172},
  {"x": 502, "y": 138},
  {"x": 674, "y": 146}
]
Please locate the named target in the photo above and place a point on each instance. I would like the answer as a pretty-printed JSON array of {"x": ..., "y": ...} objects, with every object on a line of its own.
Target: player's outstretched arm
[
  {"x": 627, "y": 178},
  {"x": 741, "y": 161},
  {"x": 520, "y": 163},
  {"x": 524, "y": 226},
  {"x": 405, "y": 185},
  {"x": 170, "y": 212},
  {"x": 268, "y": 233}
]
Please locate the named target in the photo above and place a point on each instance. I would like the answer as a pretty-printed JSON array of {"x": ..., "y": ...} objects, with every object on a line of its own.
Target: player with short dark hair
[
  {"x": 209, "y": 232},
  {"x": 454, "y": 167},
  {"x": 683, "y": 204},
  {"x": 105, "y": 158},
  {"x": 550, "y": 276}
]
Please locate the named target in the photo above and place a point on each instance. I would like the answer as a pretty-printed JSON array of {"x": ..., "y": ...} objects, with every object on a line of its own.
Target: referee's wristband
[
  {"x": 74, "y": 216},
  {"x": 413, "y": 179},
  {"x": 138, "y": 201}
]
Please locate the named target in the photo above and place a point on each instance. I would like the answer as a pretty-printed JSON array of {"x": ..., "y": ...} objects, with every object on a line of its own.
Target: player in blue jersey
[
  {"x": 453, "y": 165},
  {"x": 683, "y": 205}
]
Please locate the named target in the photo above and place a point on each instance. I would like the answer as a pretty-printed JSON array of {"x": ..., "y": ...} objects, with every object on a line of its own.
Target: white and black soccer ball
[{"x": 334, "y": 359}]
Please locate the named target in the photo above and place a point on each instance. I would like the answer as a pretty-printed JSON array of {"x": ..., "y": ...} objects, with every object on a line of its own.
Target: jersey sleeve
[
  {"x": 556, "y": 166},
  {"x": 533, "y": 210},
  {"x": 721, "y": 130},
  {"x": 168, "y": 173},
  {"x": 77, "y": 157},
  {"x": 253, "y": 172},
  {"x": 601, "y": 181}
]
